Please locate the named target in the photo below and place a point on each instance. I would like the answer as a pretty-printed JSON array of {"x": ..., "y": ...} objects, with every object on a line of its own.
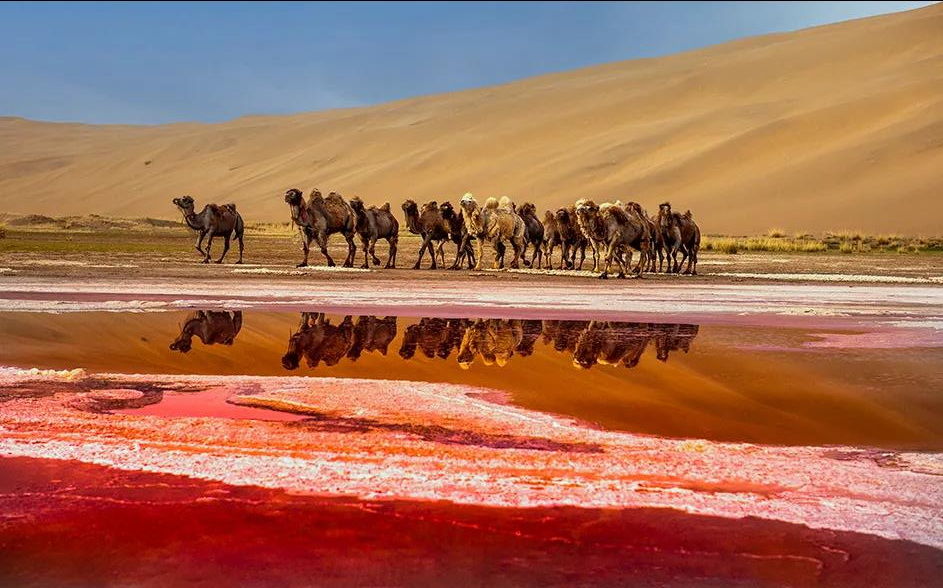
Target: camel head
[
  {"x": 447, "y": 211},
  {"x": 586, "y": 207},
  {"x": 410, "y": 208},
  {"x": 528, "y": 209},
  {"x": 357, "y": 204},
  {"x": 468, "y": 202},
  {"x": 183, "y": 343},
  {"x": 563, "y": 216},
  {"x": 184, "y": 203},
  {"x": 432, "y": 205},
  {"x": 664, "y": 208},
  {"x": 294, "y": 197}
]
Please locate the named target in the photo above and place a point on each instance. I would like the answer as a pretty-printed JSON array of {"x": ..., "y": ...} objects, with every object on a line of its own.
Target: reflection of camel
[
  {"x": 495, "y": 340},
  {"x": 672, "y": 338},
  {"x": 435, "y": 337},
  {"x": 492, "y": 341},
  {"x": 372, "y": 334},
  {"x": 318, "y": 340},
  {"x": 210, "y": 326}
]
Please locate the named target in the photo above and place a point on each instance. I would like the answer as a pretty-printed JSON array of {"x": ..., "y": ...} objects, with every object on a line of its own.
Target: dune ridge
[{"x": 839, "y": 126}]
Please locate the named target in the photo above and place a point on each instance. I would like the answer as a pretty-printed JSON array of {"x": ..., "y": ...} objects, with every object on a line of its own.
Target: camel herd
[
  {"x": 611, "y": 231},
  {"x": 319, "y": 340}
]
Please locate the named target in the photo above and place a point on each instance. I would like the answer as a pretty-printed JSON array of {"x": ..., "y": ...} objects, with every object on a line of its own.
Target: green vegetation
[{"x": 803, "y": 242}]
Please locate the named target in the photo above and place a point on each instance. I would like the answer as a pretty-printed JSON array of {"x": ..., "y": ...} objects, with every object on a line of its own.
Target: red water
[{"x": 67, "y": 523}]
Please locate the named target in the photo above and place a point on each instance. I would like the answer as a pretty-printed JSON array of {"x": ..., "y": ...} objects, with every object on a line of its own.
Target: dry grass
[{"x": 844, "y": 241}]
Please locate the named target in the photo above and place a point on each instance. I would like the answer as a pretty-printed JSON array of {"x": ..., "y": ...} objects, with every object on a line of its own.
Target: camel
[
  {"x": 622, "y": 231},
  {"x": 211, "y": 327},
  {"x": 531, "y": 331},
  {"x": 372, "y": 224},
  {"x": 552, "y": 238},
  {"x": 592, "y": 227},
  {"x": 679, "y": 232},
  {"x": 435, "y": 337},
  {"x": 572, "y": 238},
  {"x": 428, "y": 224},
  {"x": 636, "y": 209},
  {"x": 320, "y": 218},
  {"x": 458, "y": 233},
  {"x": 563, "y": 334},
  {"x": 495, "y": 223},
  {"x": 215, "y": 221},
  {"x": 533, "y": 234}
]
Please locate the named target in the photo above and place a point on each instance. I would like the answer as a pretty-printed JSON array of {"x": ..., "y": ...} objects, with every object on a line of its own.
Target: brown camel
[
  {"x": 215, "y": 221},
  {"x": 572, "y": 238},
  {"x": 611, "y": 343},
  {"x": 622, "y": 232},
  {"x": 552, "y": 238},
  {"x": 428, "y": 224},
  {"x": 495, "y": 223},
  {"x": 211, "y": 327},
  {"x": 533, "y": 234},
  {"x": 679, "y": 232},
  {"x": 318, "y": 219},
  {"x": 372, "y": 224},
  {"x": 458, "y": 234},
  {"x": 636, "y": 210},
  {"x": 673, "y": 337},
  {"x": 494, "y": 340}
]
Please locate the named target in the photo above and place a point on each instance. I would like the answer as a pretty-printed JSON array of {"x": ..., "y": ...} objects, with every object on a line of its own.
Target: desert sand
[{"x": 839, "y": 126}]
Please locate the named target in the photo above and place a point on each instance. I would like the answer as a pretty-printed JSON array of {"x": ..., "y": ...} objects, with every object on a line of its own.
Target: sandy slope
[{"x": 823, "y": 128}]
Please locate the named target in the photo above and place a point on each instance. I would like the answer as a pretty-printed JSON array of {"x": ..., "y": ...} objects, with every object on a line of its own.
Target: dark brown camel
[
  {"x": 458, "y": 233},
  {"x": 210, "y": 326},
  {"x": 428, "y": 224},
  {"x": 373, "y": 223},
  {"x": 656, "y": 245},
  {"x": 673, "y": 337},
  {"x": 611, "y": 343},
  {"x": 533, "y": 234},
  {"x": 571, "y": 236},
  {"x": 623, "y": 231},
  {"x": 679, "y": 233},
  {"x": 318, "y": 219},
  {"x": 213, "y": 221}
]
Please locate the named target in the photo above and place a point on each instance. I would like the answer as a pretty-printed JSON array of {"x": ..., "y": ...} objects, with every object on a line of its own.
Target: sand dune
[{"x": 832, "y": 127}]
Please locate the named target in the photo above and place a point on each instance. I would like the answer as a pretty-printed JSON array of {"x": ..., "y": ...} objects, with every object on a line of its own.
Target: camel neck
[
  {"x": 412, "y": 222},
  {"x": 191, "y": 219}
]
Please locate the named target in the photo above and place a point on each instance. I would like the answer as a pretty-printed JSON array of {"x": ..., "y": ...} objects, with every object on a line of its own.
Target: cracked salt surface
[{"x": 876, "y": 279}]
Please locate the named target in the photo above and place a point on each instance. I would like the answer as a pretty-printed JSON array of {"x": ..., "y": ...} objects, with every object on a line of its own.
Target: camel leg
[
  {"x": 306, "y": 247},
  {"x": 518, "y": 255},
  {"x": 582, "y": 257},
  {"x": 239, "y": 236},
  {"x": 322, "y": 243},
  {"x": 199, "y": 243},
  {"x": 564, "y": 256},
  {"x": 366, "y": 252},
  {"x": 470, "y": 254},
  {"x": 225, "y": 249},
  {"x": 524, "y": 254},
  {"x": 391, "y": 258},
  {"x": 422, "y": 250},
  {"x": 481, "y": 253},
  {"x": 460, "y": 253},
  {"x": 538, "y": 255},
  {"x": 692, "y": 262},
  {"x": 442, "y": 252},
  {"x": 432, "y": 252},
  {"x": 209, "y": 244},
  {"x": 548, "y": 257},
  {"x": 498, "y": 255},
  {"x": 351, "y": 250},
  {"x": 593, "y": 249},
  {"x": 373, "y": 251}
]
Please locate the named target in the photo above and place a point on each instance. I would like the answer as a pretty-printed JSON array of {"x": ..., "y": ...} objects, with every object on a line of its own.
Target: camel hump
[
  {"x": 491, "y": 203},
  {"x": 688, "y": 214},
  {"x": 385, "y": 207},
  {"x": 618, "y": 213},
  {"x": 506, "y": 202}
]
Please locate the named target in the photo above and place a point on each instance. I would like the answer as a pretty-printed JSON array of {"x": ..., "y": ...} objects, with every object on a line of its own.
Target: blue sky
[{"x": 150, "y": 63}]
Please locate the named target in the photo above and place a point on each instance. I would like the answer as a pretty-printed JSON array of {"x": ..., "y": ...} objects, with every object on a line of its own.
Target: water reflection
[
  {"x": 210, "y": 326},
  {"x": 318, "y": 340},
  {"x": 490, "y": 341}
]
